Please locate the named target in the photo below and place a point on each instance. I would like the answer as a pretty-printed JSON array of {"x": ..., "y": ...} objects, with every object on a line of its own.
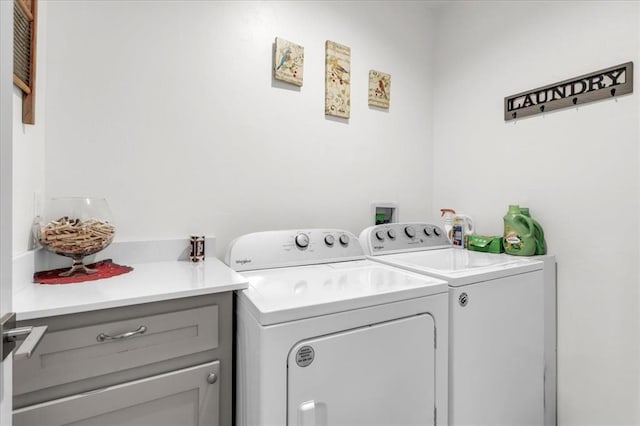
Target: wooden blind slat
[
  {"x": 21, "y": 45},
  {"x": 25, "y": 14},
  {"x": 26, "y": 8},
  {"x": 21, "y": 84},
  {"x": 29, "y": 99}
]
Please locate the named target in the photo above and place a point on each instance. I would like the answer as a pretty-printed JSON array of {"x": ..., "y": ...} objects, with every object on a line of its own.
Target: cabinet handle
[{"x": 103, "y": 336}]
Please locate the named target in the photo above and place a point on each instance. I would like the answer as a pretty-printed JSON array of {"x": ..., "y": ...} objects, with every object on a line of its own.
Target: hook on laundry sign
[{"x": 606, "y": 83}]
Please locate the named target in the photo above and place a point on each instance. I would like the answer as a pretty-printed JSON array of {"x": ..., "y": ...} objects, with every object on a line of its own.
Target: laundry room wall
[
  {"x": 577, "y": 170},
  {"x": 169, "y": 110},
  {"x": 29, "y": 149}
]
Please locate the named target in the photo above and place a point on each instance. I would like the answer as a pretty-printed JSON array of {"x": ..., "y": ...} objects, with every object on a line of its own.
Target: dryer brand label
[
  {"x": 243, "y": 261},
  {"x": 305, "y": 356}
]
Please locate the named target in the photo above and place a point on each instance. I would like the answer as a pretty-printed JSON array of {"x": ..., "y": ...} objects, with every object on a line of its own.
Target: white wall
[
  {"x": 577, "y": 169},
  {"x": 169, "y": 110},
  {"x": 29, "y": 148}
]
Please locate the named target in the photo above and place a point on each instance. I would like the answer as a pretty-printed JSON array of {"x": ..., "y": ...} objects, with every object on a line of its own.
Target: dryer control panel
[
  {"x": 402, "y": 237},
  {"x": 294, "y": 247}
]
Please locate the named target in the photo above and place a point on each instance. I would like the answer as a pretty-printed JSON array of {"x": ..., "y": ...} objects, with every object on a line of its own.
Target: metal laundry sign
[{"x": 606, "y": 83}]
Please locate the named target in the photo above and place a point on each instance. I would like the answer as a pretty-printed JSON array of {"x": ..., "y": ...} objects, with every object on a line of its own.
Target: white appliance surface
[
  {"x": 346, "y": 369},
  {"x": 460, "y": 266},
  {"x": 496, "y": 352},
  {"x": 287, "y": 294},
  {"x": 327, "y": 337},
  {"x": 496, "y": 322}
]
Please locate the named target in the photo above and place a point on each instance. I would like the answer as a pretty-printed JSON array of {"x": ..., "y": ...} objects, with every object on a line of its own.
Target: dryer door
[{"x": 381, "y": 374}]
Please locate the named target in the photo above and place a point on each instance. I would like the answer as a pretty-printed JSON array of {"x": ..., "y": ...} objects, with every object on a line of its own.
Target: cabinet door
[{"x": 184, "y": 397}]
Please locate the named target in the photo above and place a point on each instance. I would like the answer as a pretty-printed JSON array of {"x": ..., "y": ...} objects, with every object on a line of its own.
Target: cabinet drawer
[
  {"x": 78, "y": 353},
  {"x": 184, "y": 397}
]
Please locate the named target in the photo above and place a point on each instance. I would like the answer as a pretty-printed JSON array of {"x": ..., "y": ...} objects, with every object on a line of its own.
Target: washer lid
[
  {"x": 460, "y": 266},
  {"x": 288, "y": 294}
]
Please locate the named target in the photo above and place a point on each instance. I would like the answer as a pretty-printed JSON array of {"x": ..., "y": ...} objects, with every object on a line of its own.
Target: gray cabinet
[
  {"x": 184, "y": 397},
  {"x": 162, "y": 363}
]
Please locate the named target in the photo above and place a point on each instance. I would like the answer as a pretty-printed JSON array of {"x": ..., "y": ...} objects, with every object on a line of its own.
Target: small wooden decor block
[
  {"x": 337, "y": 100},
  {"x": 288, "y": 62},
  {"x": 379, "y": 89}
]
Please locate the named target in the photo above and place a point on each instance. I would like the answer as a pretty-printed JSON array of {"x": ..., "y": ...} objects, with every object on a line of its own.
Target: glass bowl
[{"x": 76, "y": 227}]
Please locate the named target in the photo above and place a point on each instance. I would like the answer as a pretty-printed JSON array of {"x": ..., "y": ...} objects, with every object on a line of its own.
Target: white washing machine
[
  {"x": 496, "y": 322},
  {"x": 327, "y": 337}
]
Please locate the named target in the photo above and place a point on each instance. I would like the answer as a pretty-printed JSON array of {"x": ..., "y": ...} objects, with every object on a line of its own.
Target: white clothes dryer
[
  {"x": 496, "y": 322},
  {"x": 326, "y": 337}
]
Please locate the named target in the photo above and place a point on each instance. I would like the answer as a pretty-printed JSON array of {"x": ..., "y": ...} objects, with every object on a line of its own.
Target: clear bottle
[
  {"x": 458, "y": 232},
  {"x": 448, "y": 215}
]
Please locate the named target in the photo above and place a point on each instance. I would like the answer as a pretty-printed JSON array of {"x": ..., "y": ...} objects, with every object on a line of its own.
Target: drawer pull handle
[{"x": 104, "y": 337}]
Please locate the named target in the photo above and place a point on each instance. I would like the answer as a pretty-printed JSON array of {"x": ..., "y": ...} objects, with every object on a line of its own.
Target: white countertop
[{"x": 148, "y": 282}]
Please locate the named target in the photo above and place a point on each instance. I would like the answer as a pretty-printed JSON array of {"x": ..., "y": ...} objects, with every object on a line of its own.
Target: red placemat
[{"x": 105, "y": 269}]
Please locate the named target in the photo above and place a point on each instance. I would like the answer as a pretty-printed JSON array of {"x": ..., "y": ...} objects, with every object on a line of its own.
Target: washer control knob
[
  {"x": 302, "y": 241},
  {"x": 426, "y": 232},
  {"x": 329, "y": 240},
  {"x": 344, "y": 239},
  {"x": 380, "y": 235},
  {"x": 392, "y": 234},
  {"x": 410, "y": 231},
  {"x": 436, "y": 232}
]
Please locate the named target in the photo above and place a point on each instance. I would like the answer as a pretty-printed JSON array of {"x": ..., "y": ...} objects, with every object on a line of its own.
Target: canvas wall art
[
  {"x": 379, "y": 89},
  {"x": 288, "y": 62},
  {"x": 338, "y": 80}
]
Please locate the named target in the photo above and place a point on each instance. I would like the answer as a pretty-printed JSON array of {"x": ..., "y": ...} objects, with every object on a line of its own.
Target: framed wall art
[
  {"x": 379, "y": 89},
  {"x": 337, "y": 100},
  {"x": 288, "y": 62}
]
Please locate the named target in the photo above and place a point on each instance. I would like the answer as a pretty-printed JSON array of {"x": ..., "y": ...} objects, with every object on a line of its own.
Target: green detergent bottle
[
  {"x": 519, "y": 233},
  {"x": 541, "y": 244}
]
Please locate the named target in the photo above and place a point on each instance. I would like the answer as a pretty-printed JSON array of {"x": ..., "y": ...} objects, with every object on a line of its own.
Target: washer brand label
[
  {"x": 305, "y": 356},
  {"x": 463, "y": 299},
  {"x": 243, "y": 261}
]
